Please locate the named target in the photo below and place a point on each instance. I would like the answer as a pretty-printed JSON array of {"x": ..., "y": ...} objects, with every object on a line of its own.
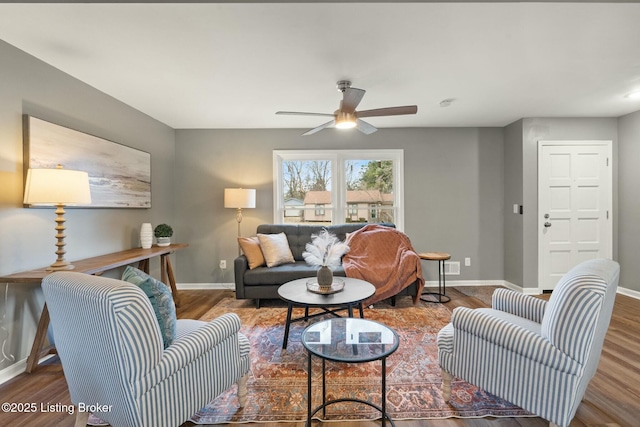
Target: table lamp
[{"x": 57, "y": 187}]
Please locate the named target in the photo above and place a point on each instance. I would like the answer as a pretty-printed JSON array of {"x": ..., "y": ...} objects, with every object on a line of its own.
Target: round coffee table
[
  {"x": 295, "y": 293},
  {"x": 348, "y": 341}
]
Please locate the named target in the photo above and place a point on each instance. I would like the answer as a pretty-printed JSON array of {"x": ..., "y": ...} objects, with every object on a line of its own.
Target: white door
[{"x": 574, "y": 206}]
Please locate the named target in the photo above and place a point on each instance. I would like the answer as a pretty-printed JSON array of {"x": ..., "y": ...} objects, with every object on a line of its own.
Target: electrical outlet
[
  {"x": 467, "y": 262},
  {"x": 223, "y": 264}
]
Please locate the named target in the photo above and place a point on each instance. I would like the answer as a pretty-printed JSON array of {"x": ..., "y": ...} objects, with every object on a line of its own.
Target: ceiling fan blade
[
  {"x": 300, "y": 113},
  {"x": 319, "y": 128},
  {"x": 365, "y": 127},
  {"x": 389, "y": 111},
  {"x": 351, "y": 97}
]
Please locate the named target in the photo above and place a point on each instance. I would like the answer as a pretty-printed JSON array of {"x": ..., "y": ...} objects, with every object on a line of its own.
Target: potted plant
[
  {"x": 163, "y": 233},
  {"x": 325, "y": 251}
]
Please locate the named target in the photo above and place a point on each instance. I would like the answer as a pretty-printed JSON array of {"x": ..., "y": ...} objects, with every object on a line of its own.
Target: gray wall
[
  {"x": 453, "y": 191},
  {"x": 513, "y": 223},
  {"x": 29, "y": 86},
  {"x": 629, "y": 200}
]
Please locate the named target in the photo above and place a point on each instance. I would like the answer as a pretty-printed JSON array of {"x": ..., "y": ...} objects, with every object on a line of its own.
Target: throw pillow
[
  {"x": 275, "y": 248},
  {"x": 161, "y": 300},
  {"x": 251, "y": 248}
]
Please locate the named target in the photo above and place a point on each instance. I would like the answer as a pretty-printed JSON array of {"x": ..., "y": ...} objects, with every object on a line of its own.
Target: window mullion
[{"x": 338, "y": 189}]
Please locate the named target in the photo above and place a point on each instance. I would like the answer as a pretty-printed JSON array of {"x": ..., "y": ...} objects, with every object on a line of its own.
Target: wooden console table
[{"x": 97, "y": 266}]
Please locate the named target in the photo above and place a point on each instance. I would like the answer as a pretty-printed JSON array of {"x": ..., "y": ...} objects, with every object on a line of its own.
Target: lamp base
[
  {"x": 60, "y": 267},
  {"x": 61, "y": 263}
]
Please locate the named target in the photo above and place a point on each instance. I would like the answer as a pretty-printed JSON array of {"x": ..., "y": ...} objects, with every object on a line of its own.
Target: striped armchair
[
  {"x": 109, "y": 343},
  {"x": 536, "y": 354}
]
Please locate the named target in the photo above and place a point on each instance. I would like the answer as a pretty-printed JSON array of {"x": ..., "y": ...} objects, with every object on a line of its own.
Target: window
[
  {"x": 373, "y": 213},
  {"x": 328, "y": 186}
]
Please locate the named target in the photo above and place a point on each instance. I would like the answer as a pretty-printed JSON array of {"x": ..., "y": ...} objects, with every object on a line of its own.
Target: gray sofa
[{"x": 263, "y": 282}]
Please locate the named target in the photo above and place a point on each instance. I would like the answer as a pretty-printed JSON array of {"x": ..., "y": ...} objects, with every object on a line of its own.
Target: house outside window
[
  {"x": 353, "y": 211},
  {"x": 334, "y": 187}
]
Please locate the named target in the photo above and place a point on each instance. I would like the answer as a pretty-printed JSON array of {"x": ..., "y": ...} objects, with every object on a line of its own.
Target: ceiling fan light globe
[
  {"x": 345, "y": 124},
  {"x": 345, "y": 120}
]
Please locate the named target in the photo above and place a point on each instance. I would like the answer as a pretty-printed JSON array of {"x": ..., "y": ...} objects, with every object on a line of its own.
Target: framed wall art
[{"x": 119, "y": 176}]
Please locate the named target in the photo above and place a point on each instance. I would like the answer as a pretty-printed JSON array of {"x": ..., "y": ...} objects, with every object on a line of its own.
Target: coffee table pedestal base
[{"x": 325, "y": 403}]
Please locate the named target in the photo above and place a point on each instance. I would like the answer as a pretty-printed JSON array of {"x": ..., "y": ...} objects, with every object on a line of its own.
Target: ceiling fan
[{"x": 347, "y": 117}]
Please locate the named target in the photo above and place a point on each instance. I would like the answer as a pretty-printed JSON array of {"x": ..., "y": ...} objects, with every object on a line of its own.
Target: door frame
[{"x": 608, "y": 144}]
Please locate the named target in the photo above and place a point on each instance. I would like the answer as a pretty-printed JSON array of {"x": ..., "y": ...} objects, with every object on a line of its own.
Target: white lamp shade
[
  {"x": 239, "y": 198},
  {"x": 57, "y": 186}
]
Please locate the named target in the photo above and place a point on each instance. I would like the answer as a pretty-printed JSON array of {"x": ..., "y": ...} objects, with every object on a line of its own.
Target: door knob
[{"x": 547, "y": 224}]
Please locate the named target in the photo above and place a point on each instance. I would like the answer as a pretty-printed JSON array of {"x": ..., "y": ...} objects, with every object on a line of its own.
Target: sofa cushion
[
  {"x": 161, "y": 300},
  {"x": 251, "y": 249},
  {"x": 283, "y": 273},
  {"x": 275, "y": 248}
]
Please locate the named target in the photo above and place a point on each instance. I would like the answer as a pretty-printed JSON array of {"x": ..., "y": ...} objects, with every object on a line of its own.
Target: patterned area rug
[{"x": 277, "y": 386}]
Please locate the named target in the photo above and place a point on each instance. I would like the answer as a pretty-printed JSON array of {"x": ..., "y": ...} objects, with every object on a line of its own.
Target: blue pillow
[{"x": 161, "y": 300}]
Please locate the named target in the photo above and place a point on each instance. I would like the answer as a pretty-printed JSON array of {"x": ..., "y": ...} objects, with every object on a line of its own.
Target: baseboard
[
  {"x": 18, "y": 368},
  {"x": 196, "y": 286},
  {"x": 535, "y": 291},
  {"x": 434, "y": 283},
  {"x": 629, "y": 292},
  {"x": 514, "y": 287},
  {"x": 12, "y": 371}
]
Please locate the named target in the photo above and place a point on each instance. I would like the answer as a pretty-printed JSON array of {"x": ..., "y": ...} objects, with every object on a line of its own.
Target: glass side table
[{"x": 348, "y": 340}]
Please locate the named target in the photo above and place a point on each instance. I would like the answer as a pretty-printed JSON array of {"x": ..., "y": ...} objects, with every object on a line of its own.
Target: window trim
[{"x": 338, "y": 160}]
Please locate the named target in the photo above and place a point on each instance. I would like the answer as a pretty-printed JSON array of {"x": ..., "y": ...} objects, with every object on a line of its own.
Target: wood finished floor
[{"x": 612, "y": 399}]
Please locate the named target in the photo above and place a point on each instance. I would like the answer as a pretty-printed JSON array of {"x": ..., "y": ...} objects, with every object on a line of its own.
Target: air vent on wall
[{"x": 452, "y": 268}]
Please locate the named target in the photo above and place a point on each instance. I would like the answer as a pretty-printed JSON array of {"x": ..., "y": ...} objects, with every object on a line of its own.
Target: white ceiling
[{"x": 231, "y": 65}]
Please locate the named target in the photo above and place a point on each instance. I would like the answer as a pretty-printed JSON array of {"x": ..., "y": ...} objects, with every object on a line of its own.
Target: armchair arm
[
  {"x": 240, "y": 266},
  {"x": 511, "y": 337},
  {"x": 190, "y": 347},
  {"x": 518, "y": 304}
]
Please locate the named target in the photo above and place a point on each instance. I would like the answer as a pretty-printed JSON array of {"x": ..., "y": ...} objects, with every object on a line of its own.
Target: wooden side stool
[{"x": 439, "y": 296}]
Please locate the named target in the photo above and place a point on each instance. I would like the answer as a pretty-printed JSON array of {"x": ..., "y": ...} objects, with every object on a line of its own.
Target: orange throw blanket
[{"x": 384, "y": 257}]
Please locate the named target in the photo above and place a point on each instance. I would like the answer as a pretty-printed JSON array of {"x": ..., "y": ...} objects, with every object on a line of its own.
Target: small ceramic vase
[
  {"x": 146, "y": 235},
  {"x": 325, "y": 277}
]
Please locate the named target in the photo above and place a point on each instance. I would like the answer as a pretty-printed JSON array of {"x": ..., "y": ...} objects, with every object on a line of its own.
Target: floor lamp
[
  {"x": 57, "y": 187},
  {"x": 239, "y": 198}
]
